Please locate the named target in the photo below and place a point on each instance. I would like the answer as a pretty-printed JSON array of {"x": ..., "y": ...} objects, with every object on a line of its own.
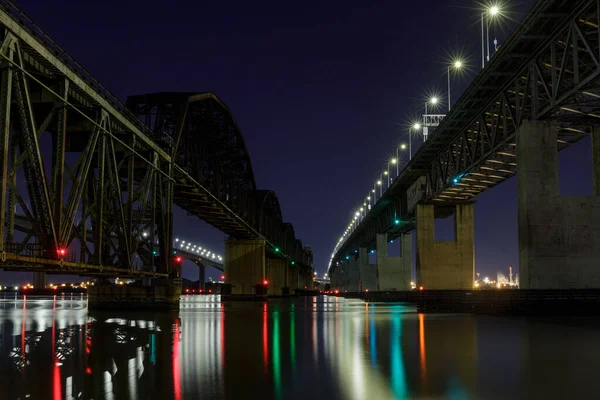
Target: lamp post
[
  {"x": 433, "y": 101},
  {"x": 456, "y": 65},
  {"x": 492, "y": 11}
]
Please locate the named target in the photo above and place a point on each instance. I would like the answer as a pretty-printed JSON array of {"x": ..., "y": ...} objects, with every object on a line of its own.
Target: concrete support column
[
  {"x": 559, "y": 236},
  {"x": 276, "y": 276},
  {"x": 40, "y": 280},
  {"x": 201, "y": 276},
  {"x": 244, "y": 265},
  {"x": 292, "y": 278},
  {"x": 394, "y": 273},
  {"x": 368, "y": 273},
  {"x": 445, "y": 264},
  {"x": 353, "y": 275}
]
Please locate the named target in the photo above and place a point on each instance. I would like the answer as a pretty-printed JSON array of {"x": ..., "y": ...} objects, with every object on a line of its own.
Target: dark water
[{"x": 313, "y": 348}]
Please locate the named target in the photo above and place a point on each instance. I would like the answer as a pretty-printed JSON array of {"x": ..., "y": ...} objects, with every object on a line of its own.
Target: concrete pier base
[
  {"x": 445, "y": 264},
  {"x": 277, "y": 277},
  {"x": 40, "y": 280},
  {"x": 394, "y": 273},
  {"x": 353, "y": 274},
  {"x": 164, "y": 294},
  {"x": 245, "y": 263},
  {"x": 559, "y": 236},
  {"x": 368, "y": 273}
]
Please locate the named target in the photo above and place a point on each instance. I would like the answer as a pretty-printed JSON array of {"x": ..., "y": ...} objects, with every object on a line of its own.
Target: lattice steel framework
[
  {"x": 214, "y": 177},
  {"x": 549, "y": 69},
  {"x": 73, "y": 159}
]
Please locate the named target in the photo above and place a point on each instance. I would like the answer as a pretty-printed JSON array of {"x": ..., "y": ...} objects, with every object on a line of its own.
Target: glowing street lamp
[
  {"x": 456, "y": 65},
  {"x": 492, "y": 11},
  {"x": 434, "y": 101}
]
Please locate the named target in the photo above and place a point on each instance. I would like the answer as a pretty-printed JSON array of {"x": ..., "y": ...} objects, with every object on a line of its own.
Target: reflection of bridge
[
  {"x": 538, "y": 95},
  {"x": 106, "y": 205}
]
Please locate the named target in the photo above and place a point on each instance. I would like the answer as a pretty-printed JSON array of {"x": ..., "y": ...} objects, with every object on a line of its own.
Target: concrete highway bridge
[{"x": 538, "y": 95}]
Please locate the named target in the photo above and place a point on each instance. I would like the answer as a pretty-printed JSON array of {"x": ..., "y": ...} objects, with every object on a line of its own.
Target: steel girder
[
  {"x": 549, "y": 69},
  {"x": 214, "y": 177},
  {"x": 103, "y": 169}
]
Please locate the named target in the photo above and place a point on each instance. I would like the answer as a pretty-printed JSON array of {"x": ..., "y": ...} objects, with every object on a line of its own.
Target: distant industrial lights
[
  {"x": 357, "y": 214},
  {"x": 417, "y": 127},
  {"x": 394, "y": 161},
  {"x": 434, "y": 100},
  {"x": 494, "y": 10},
  {"x": 379, "y": 183}
]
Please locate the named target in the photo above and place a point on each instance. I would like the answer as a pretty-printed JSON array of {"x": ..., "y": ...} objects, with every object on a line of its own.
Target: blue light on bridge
[
  {"x": 372, "y": 251},
  {"x": 356, "y": 251},
  {"x": 347, "y": 257}
]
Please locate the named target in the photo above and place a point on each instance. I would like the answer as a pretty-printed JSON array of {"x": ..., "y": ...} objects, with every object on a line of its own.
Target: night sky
[{"x": 322, "y": 90}]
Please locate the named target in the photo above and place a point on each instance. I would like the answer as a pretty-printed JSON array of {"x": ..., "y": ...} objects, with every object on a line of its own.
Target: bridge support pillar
[
  {"x": 559, "y": 236},
  {"x": 40, "y": 280},
  {"x": 394, "y": 273},
  {"x": 368, "y": 273},
  {"x": 245, "y": 265},
  {"x": 445, "y": 264},
  {"x": 201, "y": 277},
  {"x": 292, "y": 278},
  {"x": 277, "y": 271},
  {"x": 352, "y": 271}
]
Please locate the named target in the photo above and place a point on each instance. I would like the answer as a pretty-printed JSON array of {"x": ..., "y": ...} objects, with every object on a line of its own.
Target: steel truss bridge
[
  {"x": 549, "y": 69},
  {"x": 108, "y": 176}
]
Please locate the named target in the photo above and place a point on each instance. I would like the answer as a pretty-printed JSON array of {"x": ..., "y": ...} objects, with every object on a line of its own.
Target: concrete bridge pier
[
  {"x": 292, "y": 278},
  {"x": 40, "y": 280},
  {"x": 445, "y": 264},
  {"x": 277, "y": 276},
  {"x": 367, "y": 272},
  {"x": 245, "y": 263},
  {"x": 353, "y": 275},
  {"x": 201, "y": 276},
  {"x": 559, "y": 236},
  {"x": 394, "y": 273}
]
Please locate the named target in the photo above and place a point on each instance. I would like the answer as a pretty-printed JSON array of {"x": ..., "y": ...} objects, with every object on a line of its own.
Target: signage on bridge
[{"x": 415, "y": 193}]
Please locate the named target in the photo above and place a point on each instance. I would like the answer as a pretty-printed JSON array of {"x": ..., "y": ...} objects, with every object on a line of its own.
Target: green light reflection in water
[{"x": 276, "y": 356}]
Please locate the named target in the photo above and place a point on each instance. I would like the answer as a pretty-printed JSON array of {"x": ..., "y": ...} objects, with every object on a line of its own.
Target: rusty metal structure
[
  {"x": 549, "y": 69},
  {"x": 97, "y": 185}
]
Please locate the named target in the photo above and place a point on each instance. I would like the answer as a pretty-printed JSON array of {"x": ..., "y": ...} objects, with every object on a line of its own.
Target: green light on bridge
[
  {"x": 154, "y": 252},
  {"x": 276, "y": 249},
  {"x": 397, "y": 222},
  {"x": 293, "y": 262}
]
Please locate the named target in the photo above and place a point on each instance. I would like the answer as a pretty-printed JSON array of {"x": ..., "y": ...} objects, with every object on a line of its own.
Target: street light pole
[{"x": 482, "y": 43}]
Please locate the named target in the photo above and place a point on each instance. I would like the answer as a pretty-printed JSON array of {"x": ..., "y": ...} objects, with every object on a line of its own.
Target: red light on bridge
[
  {"x": 178, "y": 259},
  {"x": 88, "y": 371},
  {"x": 187, "y": 290},
  {"x": 265, "y": 282},
  {"x": 420, "y": 287},
  {"x": 61, "y": 252},
  {"x": 222, "y": 277},
  {"x": 200, "y": 290},
  {"x": 209, "y": 290},
  {"x": 367, "y": 290}
]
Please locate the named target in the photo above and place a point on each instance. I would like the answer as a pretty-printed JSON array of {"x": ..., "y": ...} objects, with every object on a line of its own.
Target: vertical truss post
[
  {"x": 58, "y": 166},
  {"x": 5, "y": 108}
]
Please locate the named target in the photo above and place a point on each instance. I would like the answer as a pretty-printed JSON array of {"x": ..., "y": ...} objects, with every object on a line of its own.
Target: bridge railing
[{"x": 43, "y": 37}]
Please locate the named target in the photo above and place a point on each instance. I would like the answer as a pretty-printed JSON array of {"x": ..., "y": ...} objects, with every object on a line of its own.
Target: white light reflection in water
[
  {"x": 347, "y": 353},
  {"x": 202, "y": 358}
]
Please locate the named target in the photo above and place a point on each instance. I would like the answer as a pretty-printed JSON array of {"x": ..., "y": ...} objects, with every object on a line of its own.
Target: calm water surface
[{"x": 308, "y": 348}]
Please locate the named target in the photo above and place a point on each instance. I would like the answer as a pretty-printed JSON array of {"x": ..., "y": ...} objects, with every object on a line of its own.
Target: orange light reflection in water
[{"x": 422, "y": 345}]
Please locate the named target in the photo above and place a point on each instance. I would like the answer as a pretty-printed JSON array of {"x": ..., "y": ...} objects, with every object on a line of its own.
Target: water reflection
[{"x": 318, "y": 348}]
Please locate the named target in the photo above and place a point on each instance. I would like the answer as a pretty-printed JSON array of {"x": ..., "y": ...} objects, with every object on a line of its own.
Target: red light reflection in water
[
  {"x": 422, "y": 345},
  {"x": 23, "y": 326},
  {"x": 265, "y": 337},
  {"x": 176, "y": 362},
  {"x": 56, "y": 389}
]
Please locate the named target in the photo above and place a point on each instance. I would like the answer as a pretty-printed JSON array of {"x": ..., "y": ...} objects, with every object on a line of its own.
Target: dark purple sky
[{"x": 318, "y": 88}]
